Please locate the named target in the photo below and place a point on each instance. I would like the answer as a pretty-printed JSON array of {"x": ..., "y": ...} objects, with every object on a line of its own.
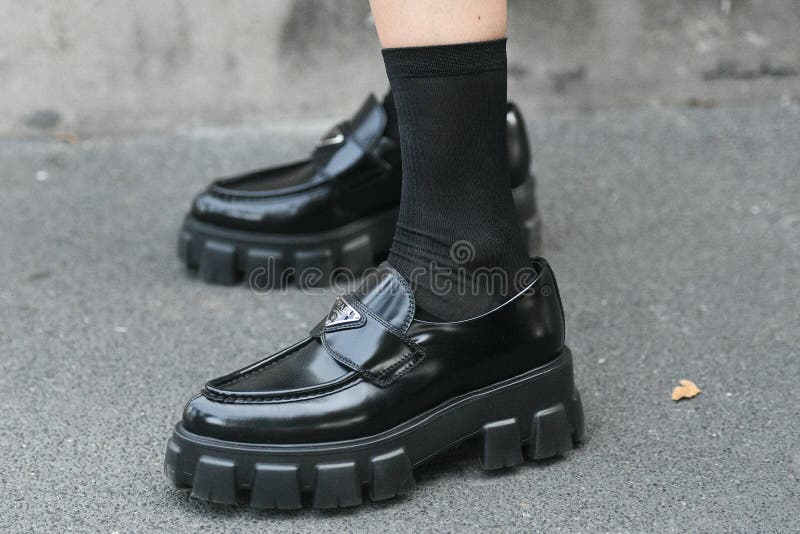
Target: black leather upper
[
  {"x": 372, "y": 364},
  {"x": 355, "y": 171}
]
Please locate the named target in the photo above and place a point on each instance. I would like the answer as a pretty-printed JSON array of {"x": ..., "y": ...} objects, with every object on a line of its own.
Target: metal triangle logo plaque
[
  {"x": 342, "y": 313},
  {"x": 333, "y": 137}
]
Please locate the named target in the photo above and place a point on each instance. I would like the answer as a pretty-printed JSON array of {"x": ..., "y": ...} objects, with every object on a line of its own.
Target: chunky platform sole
[
  {"x": 537, "y": 414},
  {"x": 265, "y": 261}
]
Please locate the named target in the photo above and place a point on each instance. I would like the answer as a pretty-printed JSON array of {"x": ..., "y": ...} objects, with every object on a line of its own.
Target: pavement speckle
[{"x": 667, "y": 271}]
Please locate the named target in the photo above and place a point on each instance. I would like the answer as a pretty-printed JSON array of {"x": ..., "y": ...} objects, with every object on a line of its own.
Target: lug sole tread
[
  {"x": 265, "y": 262},
  {"x": 337, "y": 484}
]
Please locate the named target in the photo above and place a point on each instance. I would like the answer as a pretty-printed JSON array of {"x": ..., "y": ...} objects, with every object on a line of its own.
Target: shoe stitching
[
  {"x": 414, "y": 356},
  {"x": 410, "y": 360},
  {"x": 391, "y": 328},
  {"x": 376, "y": 378},
  {"x": 225, "y": 195},
  {"x": 234, "y": 398},
  {"x": 387, "y": 382},
  {"x": 259, "y": 370},
  {"x": 194, "y": 398},
  {"x": 412, "y": 303},
  {"x": 220, "y": 191},
  {"x": 383, "y": 322}
]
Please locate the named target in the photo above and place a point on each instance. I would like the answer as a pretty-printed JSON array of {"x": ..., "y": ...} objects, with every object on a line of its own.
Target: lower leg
[
  {"x": 457, "y": 239},
  {"x": 403, "y": 23}
]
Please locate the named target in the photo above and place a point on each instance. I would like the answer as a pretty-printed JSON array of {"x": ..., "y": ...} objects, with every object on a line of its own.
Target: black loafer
[
  {"x": 335, "y": 210},
  {"x": 373, "y": 392}
]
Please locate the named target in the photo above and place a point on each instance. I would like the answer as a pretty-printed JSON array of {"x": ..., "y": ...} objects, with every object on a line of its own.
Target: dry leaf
[
  {"x": 686, "y": 390},
  {"x": 67, "y": 137}
]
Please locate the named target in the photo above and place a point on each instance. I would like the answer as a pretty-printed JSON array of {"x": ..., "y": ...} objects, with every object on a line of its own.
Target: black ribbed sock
[
  {"x": 392, "y": 129},
  {"x": 457, "y": 239}
]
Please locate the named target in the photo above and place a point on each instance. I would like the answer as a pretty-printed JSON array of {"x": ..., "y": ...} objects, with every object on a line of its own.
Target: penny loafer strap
[
  {"x": 344, "y": 145},
  {"x": 363, "y": 341}
]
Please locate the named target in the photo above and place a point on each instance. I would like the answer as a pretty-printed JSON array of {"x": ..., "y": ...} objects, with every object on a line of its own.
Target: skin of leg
[{"x": 404, "y": 23}]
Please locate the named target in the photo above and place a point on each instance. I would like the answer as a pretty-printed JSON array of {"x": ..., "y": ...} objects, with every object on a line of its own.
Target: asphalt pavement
[{"x": 675, "y": 235}]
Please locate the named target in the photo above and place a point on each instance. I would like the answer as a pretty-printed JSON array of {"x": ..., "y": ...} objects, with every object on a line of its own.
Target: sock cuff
[{"x": 444, "y": 60}]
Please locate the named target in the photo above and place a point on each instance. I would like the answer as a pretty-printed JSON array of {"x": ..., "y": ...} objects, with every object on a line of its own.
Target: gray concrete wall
[{"x": 88, "y": 66}]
